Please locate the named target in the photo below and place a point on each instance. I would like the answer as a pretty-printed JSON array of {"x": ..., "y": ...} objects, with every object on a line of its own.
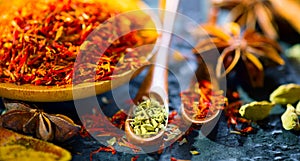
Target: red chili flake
[
  {"x": 100, "y": 125},
  {"x": 247, "y": 129},
  {"x": 172, "y": 116},
  {"x": 173, "y": 159},
  {"x": 118, "y": 119},
  {"x": 232, "y": 113},
  {"x": 104, "y": 149},
  {"x": 83, "y": 133},
  {"x": 134, "y": 158},
  {"x": 125, "y": 143}
]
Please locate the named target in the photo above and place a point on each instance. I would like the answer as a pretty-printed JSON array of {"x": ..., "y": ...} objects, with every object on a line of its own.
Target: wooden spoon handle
[{"x": 156, "y": 80}]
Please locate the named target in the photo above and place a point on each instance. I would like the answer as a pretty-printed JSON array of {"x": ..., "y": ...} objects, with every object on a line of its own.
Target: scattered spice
[
  {"x": 125, "y": 143},
  {"x": 104, "y": 149},
  {"x": 111, "y": 141},
  {"x": 172, "y": 117},
  {"x": 173, "y": 159},
  {"x": 134, "y": 158},
  {"x": 234, "y": 119},
  {"x": 243, "y": 131},
  {"x": 172, "y": 132},
  {"x": 100, "y": 125},
  {"x": 149, "y": 118},
  {"x": 42, "y": 41},
  {"x": 183, "y": 141},
  {"x": 194, "y": 152}
]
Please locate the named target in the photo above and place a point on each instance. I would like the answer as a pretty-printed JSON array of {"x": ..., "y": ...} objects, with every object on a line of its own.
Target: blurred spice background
[{"x": 252, "y": 79}]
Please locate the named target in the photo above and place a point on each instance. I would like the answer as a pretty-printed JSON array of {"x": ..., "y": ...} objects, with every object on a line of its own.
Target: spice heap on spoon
[
  {"x": 148, "y": 119},
  {"x": 200, "y": 104}
]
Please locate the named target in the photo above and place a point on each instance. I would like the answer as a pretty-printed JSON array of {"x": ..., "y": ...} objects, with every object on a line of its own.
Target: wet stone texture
[{"x": 269, "y": 141}]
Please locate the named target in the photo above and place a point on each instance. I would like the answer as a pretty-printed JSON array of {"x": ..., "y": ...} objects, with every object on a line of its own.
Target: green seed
[
  {"x": 154, "y": 123},
  {"x": 149, "y": 118}
]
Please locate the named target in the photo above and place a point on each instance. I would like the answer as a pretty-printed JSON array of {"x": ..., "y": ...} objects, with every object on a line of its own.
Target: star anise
[
  {"x": 48, "y": 127},
  {"x": 251, "y": 12},
  {"x": 235, "y": 45}
]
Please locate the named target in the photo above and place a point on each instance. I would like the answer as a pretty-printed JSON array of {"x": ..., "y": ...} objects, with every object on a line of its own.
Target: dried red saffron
[
  {"x": 99, "y": 125},
  {"x": 173, "y": 159},
  {"x": 201, "y": 102},
  {"x": 104, "y": 149},
  {"x": 43, "y": 40},
  {"x": 134, "y": 158},
  {"x": 233, "y": 116}
]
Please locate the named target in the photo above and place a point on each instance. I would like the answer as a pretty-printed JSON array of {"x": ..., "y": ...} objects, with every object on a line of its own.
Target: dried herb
[
  {"x": 183, "y": 141},
  {"x": 285, "y": 94},
  {"x": 149, "y": 118},
  {"x": 111, "y": 141},
  {"x": 249, "y": 47},
  {"x": 256, "y": 110},
  {"x": 42, "y": 40},
  {"x": 172, "y": 132},
  {"x": 194, "y": 152}
]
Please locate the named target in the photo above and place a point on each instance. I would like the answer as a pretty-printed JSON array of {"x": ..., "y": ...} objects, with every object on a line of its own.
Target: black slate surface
[{"x": 269, "y": 141}]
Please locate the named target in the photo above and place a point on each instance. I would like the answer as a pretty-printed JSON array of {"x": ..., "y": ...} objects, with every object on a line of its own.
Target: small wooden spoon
[
  {"x": 155, "y": 84},
  {"x": 204, "y": 90},
  {"x": 151, "y": 88},
  {"x": 190, "y": 120}
]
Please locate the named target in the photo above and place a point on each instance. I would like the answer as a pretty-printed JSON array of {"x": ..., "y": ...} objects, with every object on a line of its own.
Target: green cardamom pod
[
  {"x": 256, "y": 110},
  {"x": 286, "y": 94},
  {"x": 298, "y": 109},
  {"x": 290, "y": 119}
]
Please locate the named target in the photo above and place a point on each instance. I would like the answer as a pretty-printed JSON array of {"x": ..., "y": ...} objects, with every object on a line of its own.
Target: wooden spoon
[
  {"x": 154, "y": 87},
  {"x": 204, "y": 90},
  {"x": 155, "y": 84}
]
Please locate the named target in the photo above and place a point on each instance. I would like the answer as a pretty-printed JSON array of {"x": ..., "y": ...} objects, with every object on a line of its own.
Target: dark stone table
[{"x": 269, "y": 141}]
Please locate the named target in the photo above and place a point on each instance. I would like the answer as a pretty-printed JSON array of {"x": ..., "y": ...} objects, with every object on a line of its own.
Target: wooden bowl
[{"x": 33, "y": 93}]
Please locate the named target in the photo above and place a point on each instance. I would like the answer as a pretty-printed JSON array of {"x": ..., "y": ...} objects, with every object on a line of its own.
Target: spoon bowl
[
  {"x": 188, "y": 120},
  {"x": 152, "y": 142},
  {"x": 153, "y": 91},
  {"x": 155, "y": 85}
]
